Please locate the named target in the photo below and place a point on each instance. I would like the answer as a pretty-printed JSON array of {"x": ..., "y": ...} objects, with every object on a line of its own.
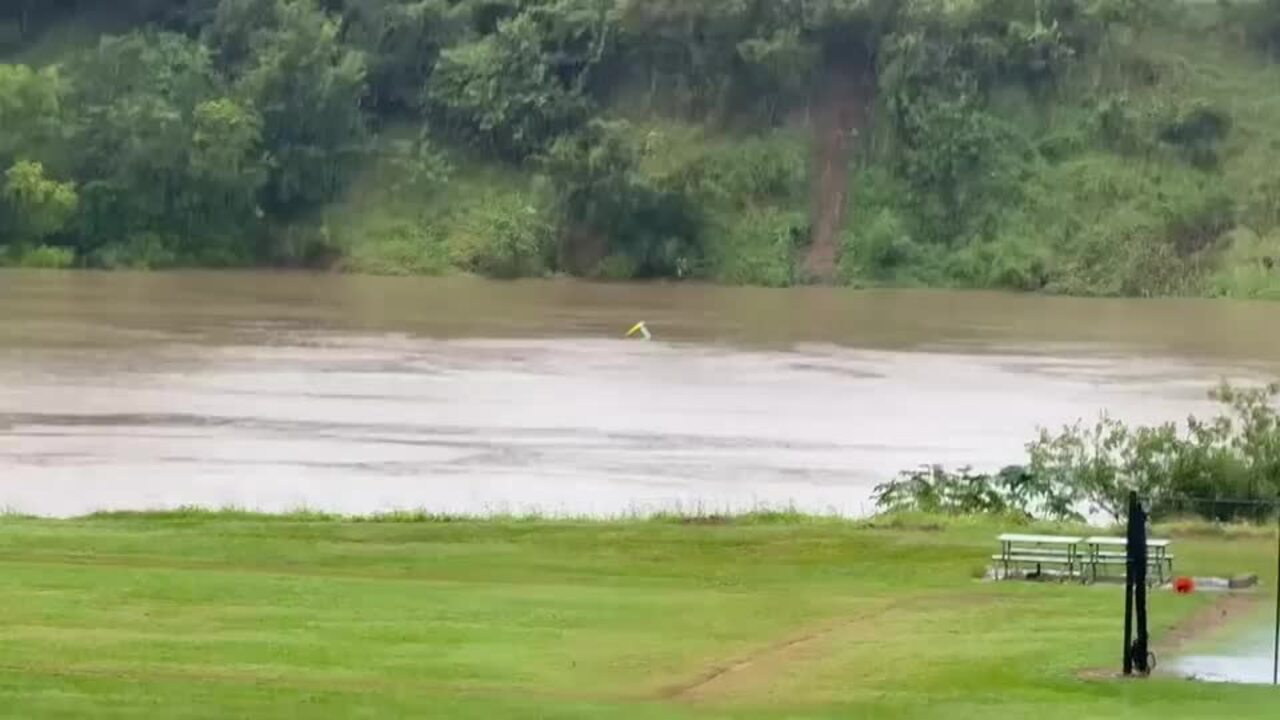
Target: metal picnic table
[
  {"x": 1157, "y": 554},
  {"x": 1040, "y": 550}
]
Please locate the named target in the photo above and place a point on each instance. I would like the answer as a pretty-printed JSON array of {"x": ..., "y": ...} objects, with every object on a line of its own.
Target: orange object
[{"x": 1184, "y": 586}]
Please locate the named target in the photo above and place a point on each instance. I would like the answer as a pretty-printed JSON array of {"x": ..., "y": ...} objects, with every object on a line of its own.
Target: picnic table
[
  {"x": 1040, "y": 550},
  {"x": 1074, "y": 556},
  {"x": 1158, "y": 556}
]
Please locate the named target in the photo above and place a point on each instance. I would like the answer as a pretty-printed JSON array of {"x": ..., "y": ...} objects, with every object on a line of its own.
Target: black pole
[
  {"x": 1136, "y": 639},
  {"x": 1128, "y": 596},
  {"x": 1138, "y": 554},
  {"x": 1275, "y": 660},
  {"x": 1128, "y": 620}
]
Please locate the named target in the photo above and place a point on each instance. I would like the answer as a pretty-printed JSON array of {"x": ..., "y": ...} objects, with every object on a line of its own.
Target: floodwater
[
  {"x": 1252, "y": 666},
  {"x": 280, "y": 391},
  {"x": 1245, "y": 654}
]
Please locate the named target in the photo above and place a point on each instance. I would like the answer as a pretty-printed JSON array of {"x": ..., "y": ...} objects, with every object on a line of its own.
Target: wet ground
[{"x": 1243, "y": 651}]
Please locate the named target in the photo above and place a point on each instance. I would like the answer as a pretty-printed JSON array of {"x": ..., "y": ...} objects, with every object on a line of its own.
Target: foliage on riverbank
[
  {"x": 1125, "y": 147},
  {"x": 1220, "y": 469},
  {"x": 213, "y": 616}
]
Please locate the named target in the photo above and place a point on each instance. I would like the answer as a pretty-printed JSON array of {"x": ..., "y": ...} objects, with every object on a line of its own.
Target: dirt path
[
  {"x": 845, "y": 109},
  {"x": 1207, "y": 620},
  {"x": 765, "y": 666},
  {"x": 760, "y": 667}
]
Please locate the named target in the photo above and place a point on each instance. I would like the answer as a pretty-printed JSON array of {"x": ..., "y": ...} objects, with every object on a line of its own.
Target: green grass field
[{"x": 229, "y": 615}]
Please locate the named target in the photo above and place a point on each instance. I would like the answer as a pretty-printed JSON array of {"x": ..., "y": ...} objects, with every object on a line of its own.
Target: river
[{"x": 282, "y": 391}]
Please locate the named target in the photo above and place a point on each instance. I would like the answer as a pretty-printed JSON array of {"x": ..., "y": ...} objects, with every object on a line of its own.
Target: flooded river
[{"x": 284, "y": 391}]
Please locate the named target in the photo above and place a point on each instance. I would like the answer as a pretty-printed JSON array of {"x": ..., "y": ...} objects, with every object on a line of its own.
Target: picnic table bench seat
[
  {"x": 1061, "y": 552},
  {"x": 1078, "y": 557}
]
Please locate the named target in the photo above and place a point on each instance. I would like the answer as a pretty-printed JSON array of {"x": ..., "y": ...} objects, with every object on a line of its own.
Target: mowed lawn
[{"x": 194, "y": 616}]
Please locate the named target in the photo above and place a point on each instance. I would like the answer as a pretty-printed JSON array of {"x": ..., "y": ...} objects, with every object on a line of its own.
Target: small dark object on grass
[{"x": 1243, "y": 582}]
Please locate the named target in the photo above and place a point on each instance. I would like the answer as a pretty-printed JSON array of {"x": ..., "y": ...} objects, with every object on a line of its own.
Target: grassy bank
[{"x": 219, "y": 615}]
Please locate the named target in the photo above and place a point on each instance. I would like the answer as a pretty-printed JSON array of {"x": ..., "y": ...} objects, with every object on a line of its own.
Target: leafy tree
[
  {"x": 130, "y": 106},
  {"x": 605, "y": 196},
  {"x": 207, "y": 125},
  {"x": 162, "y": 150},
  {"x": 402, "y": 40},
  {"x": 503, "y": 93},
  {"x": 30, "y": 109},
  {"x": 226, "y": 164},
  {"x": 1261, "y": 21},
  {"x": 1233, "y": 455},
  {"x": 34, "y": 206},
  {"x": 1014, "y": 491},
  {"x": 308, "y": 88},
  {"x": 239, "y": 26}
]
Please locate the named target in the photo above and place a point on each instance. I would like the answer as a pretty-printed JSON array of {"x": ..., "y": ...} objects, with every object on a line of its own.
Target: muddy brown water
[{"x": 353, "y": 394}]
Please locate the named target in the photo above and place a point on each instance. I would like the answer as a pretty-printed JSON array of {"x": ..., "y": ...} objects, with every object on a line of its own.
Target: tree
[
  {"x": 308, "y": 88},
  {"x": 162, "y": 153},
  {"x": 30, "y": 109},
  {"x": 238, "y": 26},
  {"x": 1262, "y": 25},
  {"x": 34, "y": 206},
  {"x": 610, "y": 208},
  {"x": 688, "y": 48},
  {"x": 402, "y": 40},
  {"x": 227, "y": 166},
  {"x": 130, "y": 107},
  {"x": 502, "y": 92}
]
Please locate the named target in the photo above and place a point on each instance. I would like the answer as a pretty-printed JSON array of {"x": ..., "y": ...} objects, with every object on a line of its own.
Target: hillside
[{"x": 1126, "y": 147}]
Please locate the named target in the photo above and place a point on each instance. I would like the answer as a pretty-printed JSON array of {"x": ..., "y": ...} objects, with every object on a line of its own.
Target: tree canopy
[{"x": 193, "y": 131}]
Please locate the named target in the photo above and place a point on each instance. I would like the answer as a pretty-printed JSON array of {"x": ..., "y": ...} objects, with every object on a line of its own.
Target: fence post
[
  {"x": 1275, "y": 658},
  {"x": 1136, "y": 649}
]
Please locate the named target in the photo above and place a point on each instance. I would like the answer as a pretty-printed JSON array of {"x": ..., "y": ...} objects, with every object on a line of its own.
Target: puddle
[
  {"x": 1243, "y": 654},
  {"x": 1254, "y": 670}
]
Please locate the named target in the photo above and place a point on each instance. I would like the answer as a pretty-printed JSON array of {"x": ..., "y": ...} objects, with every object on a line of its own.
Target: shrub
[
  {"x": 1012, "y": 261},
  {"x": 46, "y": 257},
  {"x": 603, "y": 191},
  {"x": 880, "y": 247},
  {"x": 397, "y": 246},
  {"x": 1235, "y": 455},
  {"x": 506, "y": 236},
  {"x": 756, "y": 246},
  {"x": 1197, "y": 130},
  {"x": 141, "y": 251},
  {"x": 1012, "y": 491},
  {"x": 616, "y": 267}
]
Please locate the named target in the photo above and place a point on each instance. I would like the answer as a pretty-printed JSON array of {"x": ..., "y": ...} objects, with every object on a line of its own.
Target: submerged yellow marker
[{"x": 640, "y": 329}]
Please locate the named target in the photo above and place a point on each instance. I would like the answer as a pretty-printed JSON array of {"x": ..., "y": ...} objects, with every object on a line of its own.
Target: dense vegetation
[
  {"x": 1082, "y": 146},
  {"x": 1223, "y": 468}
]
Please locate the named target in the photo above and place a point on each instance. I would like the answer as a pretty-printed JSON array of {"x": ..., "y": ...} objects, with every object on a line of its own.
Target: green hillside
[{"x": 1104, "y": 147}]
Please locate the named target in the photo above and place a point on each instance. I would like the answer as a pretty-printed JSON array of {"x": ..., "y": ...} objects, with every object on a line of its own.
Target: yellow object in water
[{"x": 640, "y": 329}]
